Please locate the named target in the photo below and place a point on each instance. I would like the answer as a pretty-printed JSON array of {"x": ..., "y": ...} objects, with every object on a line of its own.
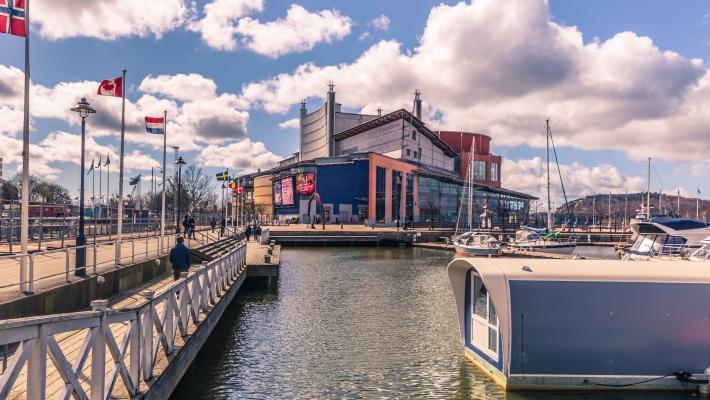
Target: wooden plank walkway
[{"x": 73, "y": 343}]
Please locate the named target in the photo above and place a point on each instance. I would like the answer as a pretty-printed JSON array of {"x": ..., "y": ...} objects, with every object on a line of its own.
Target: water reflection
[{"x": 347, "y": 323}]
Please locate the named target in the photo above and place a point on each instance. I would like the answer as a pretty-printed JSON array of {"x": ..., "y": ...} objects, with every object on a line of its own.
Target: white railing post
[
  {"x": 205, "y": 297},
  {"x": 169, "y": 318},
  {"x": 98, "y": 352},
  {"x": 184, "y": 298},
  {"x": 134, "y": 368},
  {"x": 133, "y": 251},
  {"x": 147, "y": 335},
  {"x": 37, "y": 366}
]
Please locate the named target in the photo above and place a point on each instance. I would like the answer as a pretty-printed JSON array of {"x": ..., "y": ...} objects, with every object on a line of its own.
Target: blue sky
[{"x": 88, "y": 55}]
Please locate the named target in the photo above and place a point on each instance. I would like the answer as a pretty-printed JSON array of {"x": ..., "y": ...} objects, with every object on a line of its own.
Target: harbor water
[{"x": 350, "y": 323}]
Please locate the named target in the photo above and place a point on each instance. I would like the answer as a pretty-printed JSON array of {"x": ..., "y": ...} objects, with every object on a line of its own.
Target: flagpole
[
  {"x": 93, "y": 196},
  {"x": 108, "y": 195},
  {"x": 165, "y": 142},
  {"x": 100, "y": 190},
  {"x": 25, "y": 206},
  {"x": 119, "y": 227}
]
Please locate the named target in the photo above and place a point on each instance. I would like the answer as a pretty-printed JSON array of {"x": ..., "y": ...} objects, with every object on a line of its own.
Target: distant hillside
[{"x": 583, "y": 207}]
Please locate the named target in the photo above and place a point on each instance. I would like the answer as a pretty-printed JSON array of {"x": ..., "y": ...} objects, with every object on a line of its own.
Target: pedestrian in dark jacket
[
  {"x": 186, "y": 225},
  {"x": 192, "y": 227},
  {"x": 222, "y": 225},
  {"x": 213, "y": 223},
  {"x": 180, "y": 258},
  {"x": 247, "y": 232},
  {"x": 257, "y": 233}
]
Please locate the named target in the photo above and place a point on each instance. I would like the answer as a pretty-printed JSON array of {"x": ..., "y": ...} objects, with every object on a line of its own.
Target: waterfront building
[{"x": 383, "y": 169}]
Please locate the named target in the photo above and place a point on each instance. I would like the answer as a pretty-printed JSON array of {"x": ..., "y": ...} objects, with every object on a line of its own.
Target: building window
[
  {"x": 409, "y": 152},
  {"x": 415, "y": 154},
  {"x": 484, "y": 319},
  {"x": 380, "y": 178},
  {"x": 420, "y": 153},
  {"x": 396, "y": 194},
  {"x": 414, "y": 135},
  {"x": 494, "y": 172},
  {"x": 410, "y": 197},
  {"x": 479, "y": 170}
]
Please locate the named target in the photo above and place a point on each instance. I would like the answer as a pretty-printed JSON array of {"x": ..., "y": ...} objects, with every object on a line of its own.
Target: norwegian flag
[
  {"x": 12, "y": 17},
  {"x": 111, "y": 87}
]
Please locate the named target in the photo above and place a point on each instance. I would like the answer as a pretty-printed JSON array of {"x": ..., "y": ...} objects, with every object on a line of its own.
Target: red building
[{"x": 486, "y": 165}]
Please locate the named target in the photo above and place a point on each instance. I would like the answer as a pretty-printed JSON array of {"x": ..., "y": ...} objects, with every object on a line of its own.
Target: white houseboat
[{"x": 585, "y": 324}]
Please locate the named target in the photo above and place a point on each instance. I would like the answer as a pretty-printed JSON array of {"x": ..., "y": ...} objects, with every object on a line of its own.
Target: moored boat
[
  {"x": 585, "y": 325},
  {"x": 476, "y": 244}
]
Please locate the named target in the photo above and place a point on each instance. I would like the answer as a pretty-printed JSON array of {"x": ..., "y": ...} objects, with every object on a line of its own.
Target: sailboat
[
  {"x": 473, "y": 243},
  {"x": 546, "y": 242}
]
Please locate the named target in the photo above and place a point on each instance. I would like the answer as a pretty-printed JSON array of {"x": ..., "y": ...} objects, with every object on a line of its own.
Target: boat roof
[
  {"x": 678, "y": 224},
  {"x": 520, "y": 269}
]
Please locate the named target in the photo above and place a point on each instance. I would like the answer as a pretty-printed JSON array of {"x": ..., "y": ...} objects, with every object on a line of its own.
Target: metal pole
[
  {"x": 108, "y": 197},
  {"x": 80, "y": 265},
  {"x": 25, "y": 207},
  {"x": 177, "y": 225},
  {"x": 100, "y": 191},
  {"x": 93, "y": 198},
  {"x": 175, "y": 149},
  {"x": 165, "y": 141},
  {"x": 119, "y": 227},
  {"x": 549, "y": 203}
]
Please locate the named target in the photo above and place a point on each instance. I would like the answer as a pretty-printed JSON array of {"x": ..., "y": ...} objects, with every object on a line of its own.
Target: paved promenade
[{"x": 56, "y": 267}]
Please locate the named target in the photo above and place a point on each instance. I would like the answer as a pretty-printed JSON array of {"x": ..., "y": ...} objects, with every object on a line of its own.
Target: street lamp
[
  {"x": 224, "y": 206},
  {"x": 179, "y": 162},
  {"x": 83, "y": 109}
]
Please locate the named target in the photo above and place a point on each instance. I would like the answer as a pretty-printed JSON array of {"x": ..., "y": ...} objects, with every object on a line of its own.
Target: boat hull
[
  {"x": 547, "y": 248},
  {"x": 468, "y": 251}
]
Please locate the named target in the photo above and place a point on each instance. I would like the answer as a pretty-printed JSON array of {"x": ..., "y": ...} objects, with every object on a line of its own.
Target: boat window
[
  {"x": 484, "y": 319},
  {"x": 480, "y": 299}
]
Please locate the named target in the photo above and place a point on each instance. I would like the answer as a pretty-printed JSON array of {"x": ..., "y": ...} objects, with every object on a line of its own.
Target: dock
[{"x": 137, "y": 344}]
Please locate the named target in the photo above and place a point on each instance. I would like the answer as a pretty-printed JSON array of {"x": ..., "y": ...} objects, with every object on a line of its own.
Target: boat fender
[
  {"x": 687, "y": 377},
  {"x": 526, "y": 268}
]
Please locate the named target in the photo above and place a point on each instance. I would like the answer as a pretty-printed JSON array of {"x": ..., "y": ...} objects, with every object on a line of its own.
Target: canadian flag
[{"x": 111, "y": 87}]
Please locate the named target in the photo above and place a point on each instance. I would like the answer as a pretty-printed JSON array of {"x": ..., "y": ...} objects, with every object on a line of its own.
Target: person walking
[
  {"x": 186, "y": 225},
  {"x": 257, "y": 233},
  {"x": 180, "y": 258},
  {"x": 222, "y": 225},
  {"x": 192, "y": 227},
  {"x": 213, "y": 223},
  {"x": 247, "y": 232}
]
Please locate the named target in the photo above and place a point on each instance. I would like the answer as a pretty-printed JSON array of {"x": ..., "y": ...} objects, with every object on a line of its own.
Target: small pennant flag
[
  {"x": 134, "y": 181},
  {"x": 91, "y": 168},
  {"x": 155, "y": 125},
  {"x": 98, "y": 165},
  {"x": 223, "y": 176},
  {"x": 108, "y": 161},
  {"x": 111, "y": 87},
  {"x": 12, "y": 17}
]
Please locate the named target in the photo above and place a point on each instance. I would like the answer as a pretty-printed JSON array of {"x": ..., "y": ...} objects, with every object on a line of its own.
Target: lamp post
[
  {"x": 83, "y": 109},
  {"x": 179, "y": 162}
]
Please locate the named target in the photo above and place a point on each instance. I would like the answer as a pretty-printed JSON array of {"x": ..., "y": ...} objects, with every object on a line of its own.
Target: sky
[{"x": 620, "y": 82}]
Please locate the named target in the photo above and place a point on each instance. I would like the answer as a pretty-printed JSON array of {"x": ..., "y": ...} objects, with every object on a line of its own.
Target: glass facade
[
  {"x": 438, "y": 200},
  {"x": 396, "y": 195},
  {"x": 380, "y": 184},
  {"x": 410, "y": 197}
]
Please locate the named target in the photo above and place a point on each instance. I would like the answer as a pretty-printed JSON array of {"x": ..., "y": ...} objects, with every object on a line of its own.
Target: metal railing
[
  {"x": 100, "y": 255},
  {"x": 131, "y": 342}
]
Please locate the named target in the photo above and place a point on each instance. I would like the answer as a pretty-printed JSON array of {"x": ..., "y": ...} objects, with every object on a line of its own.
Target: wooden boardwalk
[{"x": 171, "y": 334}]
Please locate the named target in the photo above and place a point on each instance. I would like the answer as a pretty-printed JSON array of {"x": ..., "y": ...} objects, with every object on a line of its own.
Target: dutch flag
[{"x": 155, "y": 125}]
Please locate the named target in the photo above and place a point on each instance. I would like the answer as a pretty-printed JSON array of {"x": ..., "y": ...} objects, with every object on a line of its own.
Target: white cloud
[
  {"x": 217, "y": 27},
  {"x": 183, "y": 87},
  {"x": 300, "y": 31},
  {"x": 294, "y": 123},
  {"x": 107, "y": 19},
  {"x": 530, "y": 176},
  {"x": 243, "y": 156},
  {"x": 364, "y": 36},
  {"x": 623, "y": 93},
  {"x": 381, "y": 22},
  {"x": 226, "y": 26}
]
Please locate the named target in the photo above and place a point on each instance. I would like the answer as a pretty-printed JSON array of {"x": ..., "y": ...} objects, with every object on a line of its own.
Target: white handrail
[{"x": 152, "y": 328}]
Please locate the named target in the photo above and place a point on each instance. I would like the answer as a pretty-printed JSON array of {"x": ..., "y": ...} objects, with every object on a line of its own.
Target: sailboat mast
[
  {"x": 549, "y": 203},
  {"x": 648, "y": 190},
  {"x": 470, "y": 184}
]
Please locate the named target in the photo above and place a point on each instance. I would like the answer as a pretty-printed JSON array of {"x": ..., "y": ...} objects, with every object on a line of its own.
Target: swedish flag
[{"x": 223, "y": 176}]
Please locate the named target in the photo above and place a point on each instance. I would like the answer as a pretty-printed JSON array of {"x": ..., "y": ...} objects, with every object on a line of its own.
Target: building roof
[{"x": 395, "y": 116}]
